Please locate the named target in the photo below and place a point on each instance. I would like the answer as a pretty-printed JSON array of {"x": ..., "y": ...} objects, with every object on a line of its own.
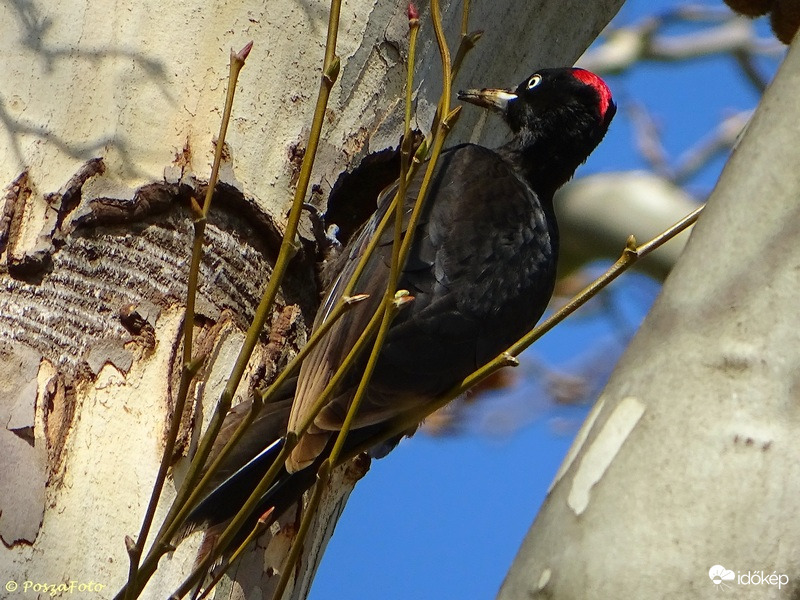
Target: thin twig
[
  {"x": 190, "y": 365},
  {"x": 648, "y": 140},
  {"x": 330, "y": 72},
  {"x": 291, "y": 439},
  {"x": 393, "y": 301},
  {"x": 287, "y": 250},
  {"x": 290, "y": 442},
  {"x": 630, "y": 255},
  {"x": 749, "y": 68},
  {"x": 264, "y": 398},
  {"x": 263, "y": 521},
  {"x": 323, "y": 476}
]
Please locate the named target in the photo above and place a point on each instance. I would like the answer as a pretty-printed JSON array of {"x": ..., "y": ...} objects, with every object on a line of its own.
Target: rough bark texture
[
  {"x": 108, "y": 118},
  {"x": 689, "y": 460}
]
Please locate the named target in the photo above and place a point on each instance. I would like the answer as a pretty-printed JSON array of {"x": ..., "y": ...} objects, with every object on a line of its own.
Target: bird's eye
[{"x": 534, "y": 81}]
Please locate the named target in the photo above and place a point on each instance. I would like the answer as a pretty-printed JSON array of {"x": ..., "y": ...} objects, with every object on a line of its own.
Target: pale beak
[{"x": 488, "y": 98}]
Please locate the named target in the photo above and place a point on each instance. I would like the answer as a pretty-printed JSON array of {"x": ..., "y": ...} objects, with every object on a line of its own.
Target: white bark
[
  {"x": 689, "y": 460},
  {"x": 140, "y": 86}
]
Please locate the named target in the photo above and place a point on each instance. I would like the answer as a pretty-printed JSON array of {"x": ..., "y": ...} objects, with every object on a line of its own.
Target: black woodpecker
[{"x": 481, "y": 269}]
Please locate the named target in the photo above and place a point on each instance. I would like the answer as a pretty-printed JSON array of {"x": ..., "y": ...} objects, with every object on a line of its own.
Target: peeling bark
[{"x": 107, "y": 136}]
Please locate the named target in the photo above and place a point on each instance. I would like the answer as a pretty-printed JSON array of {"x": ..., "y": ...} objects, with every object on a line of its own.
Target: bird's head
[
  {"x": 555, "y": 115},
  {"x": 547, "y": 96}
]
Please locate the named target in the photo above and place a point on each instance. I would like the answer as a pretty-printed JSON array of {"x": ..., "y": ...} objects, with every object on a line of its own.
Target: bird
[{"x": 481, "y": 271}]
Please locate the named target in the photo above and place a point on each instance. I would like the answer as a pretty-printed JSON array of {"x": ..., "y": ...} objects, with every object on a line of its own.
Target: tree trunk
[
  {"x": 109, "y": 122},
  {"x": 685, "y": 476}
]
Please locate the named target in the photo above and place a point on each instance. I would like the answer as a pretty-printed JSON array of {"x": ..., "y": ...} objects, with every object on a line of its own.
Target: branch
[{"x": 725, "y": 33}]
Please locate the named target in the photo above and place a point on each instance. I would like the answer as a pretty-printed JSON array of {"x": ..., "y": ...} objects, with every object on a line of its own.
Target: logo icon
[{"x": 719, "y": 575}]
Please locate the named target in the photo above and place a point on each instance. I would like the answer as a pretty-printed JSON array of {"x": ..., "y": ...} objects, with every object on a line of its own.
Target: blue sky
[{"x": 443, "y": 517}]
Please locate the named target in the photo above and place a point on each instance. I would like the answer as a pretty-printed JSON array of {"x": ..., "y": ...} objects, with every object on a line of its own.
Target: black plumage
[{"x": 481, "y": 270}]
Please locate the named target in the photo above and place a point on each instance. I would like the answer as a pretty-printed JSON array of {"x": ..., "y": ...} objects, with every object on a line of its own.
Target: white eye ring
[{"x": 534, "y": 81}]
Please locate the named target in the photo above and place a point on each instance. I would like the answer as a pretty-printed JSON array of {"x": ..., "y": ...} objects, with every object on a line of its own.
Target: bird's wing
[
  {"x": 481, "y": 273},
  {"x": 320, "y": 365},
  {"x": 452, "y": 271}
]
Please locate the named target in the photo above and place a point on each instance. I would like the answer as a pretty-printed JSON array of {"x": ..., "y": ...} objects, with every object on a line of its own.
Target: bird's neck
[{"x": 545, "y": 165}]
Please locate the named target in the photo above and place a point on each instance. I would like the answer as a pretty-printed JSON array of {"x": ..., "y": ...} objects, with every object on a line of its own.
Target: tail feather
[
  {"x": 224, "y": 500},
  {"x": 249, "y": 461}
]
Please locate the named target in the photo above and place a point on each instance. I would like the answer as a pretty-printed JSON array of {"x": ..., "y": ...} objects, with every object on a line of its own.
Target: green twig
[
  {"x": 330, "y": 72},
  {"x": 467, "y": 43},
  {"x": 233, "y": 528},
  {"x": 263, "y": 521},
  {"x": 190, "y": 365},
  {"x": 349, "y": 361},
  {"x": 290, "y": 442},
  {"x": 406, "y": 244},
  {"x": 399, "y": 256},
  {"x": 323, "y": 476},
  {"x": 405, "y": 151},
  {"x": 630, "y": 255},
  {"x": 264, "y": 398},
  {"x": 392, "y": 301}
]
